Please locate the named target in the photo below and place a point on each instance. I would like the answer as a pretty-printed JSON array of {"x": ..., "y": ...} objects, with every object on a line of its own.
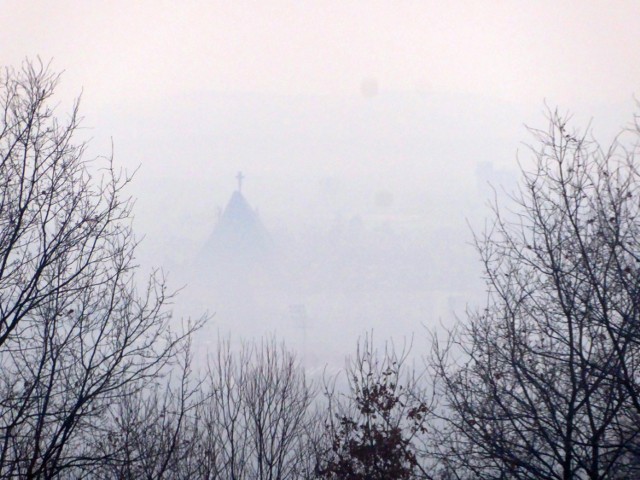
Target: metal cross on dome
[{"x": 240, "y": 177}]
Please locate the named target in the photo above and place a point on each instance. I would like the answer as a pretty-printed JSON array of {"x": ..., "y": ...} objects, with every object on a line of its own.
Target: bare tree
[
  {"x": 154, "y": 433},
  {"x": 258, "y": 419},
  {"x": 543, "y": 383},
  {"x": 76, "y": 332},
  {"x": 376, "y": 426}
]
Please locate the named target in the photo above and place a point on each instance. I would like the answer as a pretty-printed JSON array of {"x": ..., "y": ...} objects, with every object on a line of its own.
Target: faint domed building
[
  {"x": 236, "y": 273},
  {"x": 239, "y": 244}
]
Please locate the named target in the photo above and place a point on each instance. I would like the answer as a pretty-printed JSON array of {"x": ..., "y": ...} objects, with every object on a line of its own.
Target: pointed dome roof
[
  {"x": 239, "y": 221},
  {"x": 239, "y": 237}
]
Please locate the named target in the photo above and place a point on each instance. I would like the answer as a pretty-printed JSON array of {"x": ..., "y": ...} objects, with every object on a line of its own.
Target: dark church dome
[{"x": 239, "y": 240}]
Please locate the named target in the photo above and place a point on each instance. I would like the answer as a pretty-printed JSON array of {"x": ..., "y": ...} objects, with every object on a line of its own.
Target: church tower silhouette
[{"x": 239, "y": 241}]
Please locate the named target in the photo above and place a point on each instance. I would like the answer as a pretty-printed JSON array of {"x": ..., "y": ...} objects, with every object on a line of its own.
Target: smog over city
[{"x": 331, "y": 182}]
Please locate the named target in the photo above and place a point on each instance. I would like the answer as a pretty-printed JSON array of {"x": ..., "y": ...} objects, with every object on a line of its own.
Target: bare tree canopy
[
  {"x": 376, "y": 426},
  {"x": 76, "y": 333},
  {"x": 543, "y": 383},
  {"x": 257, "y": 420}
]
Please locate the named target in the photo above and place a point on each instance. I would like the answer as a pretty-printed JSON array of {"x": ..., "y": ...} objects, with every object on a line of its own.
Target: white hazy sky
[
  {"x": 194, "y": 91},
  {"x": 327, "y": 106},
  {"x": 132, "y": 51}
]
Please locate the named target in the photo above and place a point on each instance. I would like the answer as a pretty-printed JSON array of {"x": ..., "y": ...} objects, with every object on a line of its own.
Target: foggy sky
[
  {"x": 328, "y": 107},
  {"x": 144, "y": 51}
]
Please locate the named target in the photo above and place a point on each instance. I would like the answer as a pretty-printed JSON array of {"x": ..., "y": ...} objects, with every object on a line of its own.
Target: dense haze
[{"x": 368, "y": 134}]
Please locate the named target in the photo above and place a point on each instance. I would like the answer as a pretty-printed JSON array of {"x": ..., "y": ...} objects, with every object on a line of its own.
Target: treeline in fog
[{"x": 98, "y": 380}]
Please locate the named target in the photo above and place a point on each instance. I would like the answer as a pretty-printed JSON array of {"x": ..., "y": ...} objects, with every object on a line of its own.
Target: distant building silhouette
[{"x": 239, "y": 242}]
